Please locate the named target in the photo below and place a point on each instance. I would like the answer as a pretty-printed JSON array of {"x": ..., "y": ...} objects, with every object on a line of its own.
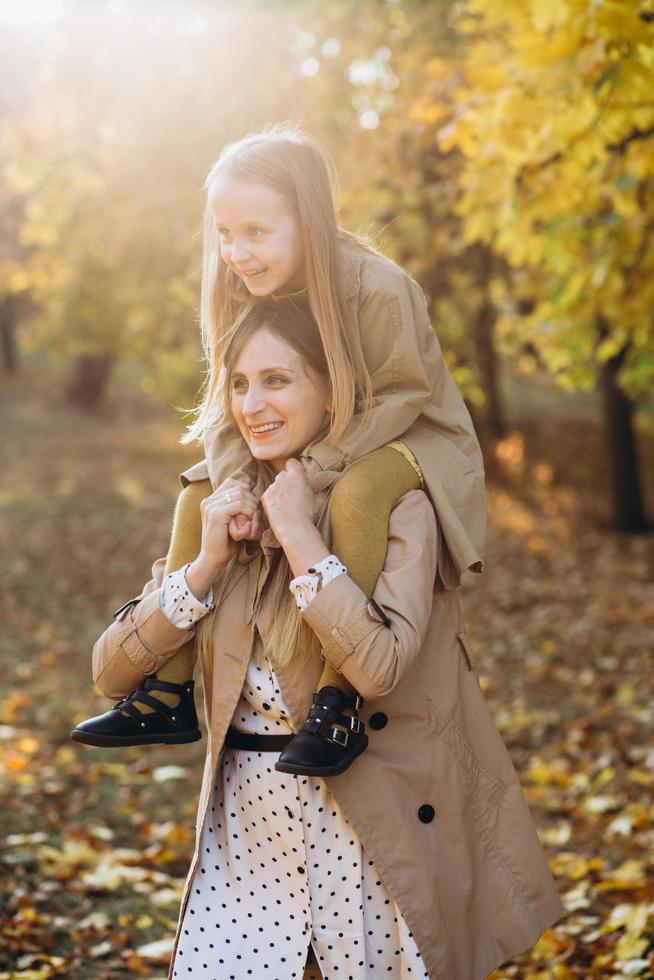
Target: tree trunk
[
  {"x": 8, "y": 317},
  {"x": 89, "y": 381},
  {"x": 485, "y": 350},
  {"x": 628, "y": 513},
  {"x": 487, "y": 360}
]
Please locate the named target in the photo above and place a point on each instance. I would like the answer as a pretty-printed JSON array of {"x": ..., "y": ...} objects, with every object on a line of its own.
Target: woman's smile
[
  {"x": 271, "y": 376},
  {"x": 265, "y": 429}
]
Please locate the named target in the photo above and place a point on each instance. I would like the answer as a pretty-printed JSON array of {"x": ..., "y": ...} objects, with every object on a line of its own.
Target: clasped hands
[{"x": 232, "y": 513}]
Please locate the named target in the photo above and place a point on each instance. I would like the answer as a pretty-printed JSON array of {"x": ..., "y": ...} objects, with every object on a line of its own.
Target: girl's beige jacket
[{"x": 435, "y": 798}]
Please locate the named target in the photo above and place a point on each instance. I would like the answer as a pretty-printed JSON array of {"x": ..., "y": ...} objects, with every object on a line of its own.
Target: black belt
[{"x": 256, "y": 743}]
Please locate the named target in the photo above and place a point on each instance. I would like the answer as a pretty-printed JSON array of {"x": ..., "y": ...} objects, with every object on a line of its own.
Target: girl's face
[
  {"x": 278, "y": 406},
  {"x": 260, "y": 239}
]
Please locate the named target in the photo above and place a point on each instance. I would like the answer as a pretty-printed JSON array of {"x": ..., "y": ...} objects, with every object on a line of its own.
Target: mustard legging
[{"x": 361, "y": 504}]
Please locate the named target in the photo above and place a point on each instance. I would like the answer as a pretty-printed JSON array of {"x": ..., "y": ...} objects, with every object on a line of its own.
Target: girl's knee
[
  {"x": 372, "y": 485},
  {"x": 192, "y": 495},
  {"x": 360, "y": 484}
]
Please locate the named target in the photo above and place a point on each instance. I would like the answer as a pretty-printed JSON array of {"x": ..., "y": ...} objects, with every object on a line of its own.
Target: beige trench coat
[{"x": 435, "y": 798}]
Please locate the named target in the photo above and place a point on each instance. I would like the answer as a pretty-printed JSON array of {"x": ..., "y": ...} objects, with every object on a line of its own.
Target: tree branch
[{"x": 636, "y": 134}]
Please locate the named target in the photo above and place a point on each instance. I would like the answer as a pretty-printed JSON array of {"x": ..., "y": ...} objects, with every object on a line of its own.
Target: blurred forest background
[{"x": 503, "y": 153}]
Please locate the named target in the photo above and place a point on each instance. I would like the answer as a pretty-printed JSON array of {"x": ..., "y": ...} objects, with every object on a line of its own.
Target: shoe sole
[
  {"x": 320, "y": 770},
  {"x": 115, "y": 742}
]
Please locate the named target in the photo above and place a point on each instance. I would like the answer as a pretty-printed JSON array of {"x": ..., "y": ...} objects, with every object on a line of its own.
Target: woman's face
[
  {"x": 278, "y": 406},
  {"x": 260, "y": 239}
]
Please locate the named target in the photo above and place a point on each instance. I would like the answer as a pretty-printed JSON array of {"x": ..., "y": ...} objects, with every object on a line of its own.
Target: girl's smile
[{"x": 260, "y": 237}]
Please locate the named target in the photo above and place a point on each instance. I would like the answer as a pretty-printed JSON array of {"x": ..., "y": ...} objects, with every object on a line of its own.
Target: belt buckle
[
  {"x": 336, "y": 732},
  {"x": 355, "y": 724}
]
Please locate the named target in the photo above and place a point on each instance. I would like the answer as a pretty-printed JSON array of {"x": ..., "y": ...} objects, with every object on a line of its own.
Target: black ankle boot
[
  {"x": 124, "y": 724},
  {"x": 329, "y": 741}
]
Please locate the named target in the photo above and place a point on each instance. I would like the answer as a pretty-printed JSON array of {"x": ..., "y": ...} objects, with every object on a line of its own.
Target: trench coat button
[
  {"x": 426, "y": 813},
  {"x": 378, "y": 720}
]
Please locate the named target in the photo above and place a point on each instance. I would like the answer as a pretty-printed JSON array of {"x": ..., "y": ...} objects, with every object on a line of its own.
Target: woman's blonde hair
[
  {"x": 291, "y": 320},
  {"x": 294, "y": 164}
]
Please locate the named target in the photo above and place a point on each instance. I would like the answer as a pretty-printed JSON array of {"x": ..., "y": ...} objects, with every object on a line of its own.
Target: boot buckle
[
  {"x": 339, "y": 736},
  {"x": 355, "y": 724}
]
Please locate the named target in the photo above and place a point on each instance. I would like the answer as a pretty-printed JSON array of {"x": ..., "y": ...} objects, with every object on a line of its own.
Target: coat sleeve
[
  {"x": 402, "y": 353},
  {"x": 371, "y": 655},
  {"x": 140, "y": 640}
]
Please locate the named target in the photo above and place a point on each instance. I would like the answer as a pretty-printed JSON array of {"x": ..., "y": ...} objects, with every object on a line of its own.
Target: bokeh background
[{"x": 503, "y": 153}]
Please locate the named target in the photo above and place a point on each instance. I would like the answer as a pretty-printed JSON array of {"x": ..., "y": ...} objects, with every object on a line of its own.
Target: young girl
[{"x": 271, "y": 231}]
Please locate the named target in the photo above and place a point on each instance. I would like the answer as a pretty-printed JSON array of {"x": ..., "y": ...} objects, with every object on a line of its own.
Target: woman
[{"x": 421, "y": 860}]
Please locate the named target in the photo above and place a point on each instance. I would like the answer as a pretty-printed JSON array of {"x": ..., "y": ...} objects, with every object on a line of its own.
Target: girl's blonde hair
[
  {"x": 289, "y": 319},
  {"x": 294, "y": 164}
]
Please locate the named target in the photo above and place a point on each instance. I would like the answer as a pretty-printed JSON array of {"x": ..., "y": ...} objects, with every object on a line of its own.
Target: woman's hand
[
  {"x": 221, "y": 532},
  {"x": 289, "y": 501},
  {"x": 290, "y": 504},
  {"x": 243, "y": 528}
]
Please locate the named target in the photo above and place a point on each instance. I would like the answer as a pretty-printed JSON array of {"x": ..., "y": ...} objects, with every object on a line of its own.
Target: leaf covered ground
[{"x": 94, "y": 844}]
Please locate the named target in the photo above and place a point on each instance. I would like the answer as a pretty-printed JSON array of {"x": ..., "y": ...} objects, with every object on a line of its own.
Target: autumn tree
[
  {"x": 555, "y": 119},
  {"x": 18, "y": 97},
  {"x": 111, "y": 223},
  {"x": 109, "y": 162},
  {"x": 371, "y": 92}
]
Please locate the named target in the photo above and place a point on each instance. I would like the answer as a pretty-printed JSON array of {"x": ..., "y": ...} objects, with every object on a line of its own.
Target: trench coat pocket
[
  {"x": 481, "y": 782},
  {"x": 484, "y": 787},
  {"x": 467, "y": 651}
]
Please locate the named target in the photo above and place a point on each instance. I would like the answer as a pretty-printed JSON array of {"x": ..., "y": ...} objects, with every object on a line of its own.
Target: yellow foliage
[
  {"x": 630, "y": 946},
  {"x": 630, "y": 874},
  {"x": 555, "y": 122},
  {"x": 634, "y": 917},
  {"x": 29, "y": 744},
  {"x": 548, "y": 774},
  {"x": 427, "y": 111}
]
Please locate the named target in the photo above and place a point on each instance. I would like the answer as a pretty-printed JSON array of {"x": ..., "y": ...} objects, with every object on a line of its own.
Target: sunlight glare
[
  {"x": 310, "y": 67},
  {"x": 30, "y": 13},
  {"x": 369, "y": 119}
]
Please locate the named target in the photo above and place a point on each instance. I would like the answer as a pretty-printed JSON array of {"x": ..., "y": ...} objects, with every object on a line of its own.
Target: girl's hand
[
  {"x": 219, "y": 510},
  {"x": 290, "y": 504}
]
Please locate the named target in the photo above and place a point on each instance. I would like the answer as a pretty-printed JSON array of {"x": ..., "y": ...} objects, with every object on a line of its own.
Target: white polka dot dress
[{"x": 280, "y": 867}]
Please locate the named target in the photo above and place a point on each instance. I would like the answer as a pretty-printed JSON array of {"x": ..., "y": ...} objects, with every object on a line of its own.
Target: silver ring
[{"x": 228, "y": 497}]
